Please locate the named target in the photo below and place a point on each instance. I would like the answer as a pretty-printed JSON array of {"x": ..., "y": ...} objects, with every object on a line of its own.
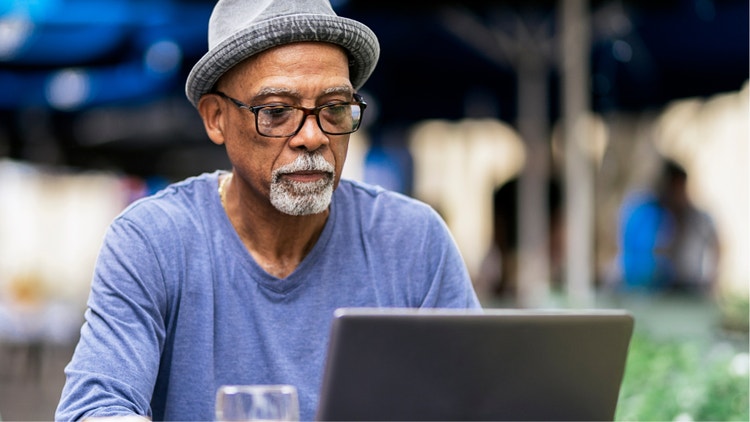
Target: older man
[{"x": 233, "y": 277}]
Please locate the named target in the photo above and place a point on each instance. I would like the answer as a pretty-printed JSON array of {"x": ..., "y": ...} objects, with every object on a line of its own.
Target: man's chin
[{"x": 299, "y": 204}]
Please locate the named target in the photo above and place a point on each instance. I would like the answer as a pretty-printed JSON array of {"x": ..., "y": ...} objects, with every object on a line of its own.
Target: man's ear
[{"x": 212, "y": 113}]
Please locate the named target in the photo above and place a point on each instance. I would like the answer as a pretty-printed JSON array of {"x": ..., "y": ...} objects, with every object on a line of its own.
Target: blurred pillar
[
  {"x": 579, "y": 173},
  {"x": 533, "y": 230},
  {"x": 525, "y": 47}
]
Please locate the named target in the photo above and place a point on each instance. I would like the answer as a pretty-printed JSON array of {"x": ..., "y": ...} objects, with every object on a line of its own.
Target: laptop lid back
[{"x": 408, "y": 364}]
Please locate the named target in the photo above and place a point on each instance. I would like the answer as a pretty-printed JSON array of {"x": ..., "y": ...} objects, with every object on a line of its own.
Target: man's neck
[{"x": 278, "y": 242}]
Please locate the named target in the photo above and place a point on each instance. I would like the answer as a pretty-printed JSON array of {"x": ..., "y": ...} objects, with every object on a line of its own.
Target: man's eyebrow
[
  {"x": 342, "y": 89},
  {"x": 287, "y": 92},
  {"x": 267, "y": 91}
]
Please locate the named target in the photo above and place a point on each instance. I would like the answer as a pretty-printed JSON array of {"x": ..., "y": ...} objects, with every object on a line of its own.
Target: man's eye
[
  {"x": 337, "y": 108},
  {"x": 276, "y": 112}
]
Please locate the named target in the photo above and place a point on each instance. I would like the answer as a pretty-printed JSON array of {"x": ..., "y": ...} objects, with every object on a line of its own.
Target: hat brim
[{"x": 358, "y": 40}]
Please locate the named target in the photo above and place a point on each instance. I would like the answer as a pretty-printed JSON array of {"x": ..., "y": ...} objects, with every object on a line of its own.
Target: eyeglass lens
[{"x": 335, "y": 119}]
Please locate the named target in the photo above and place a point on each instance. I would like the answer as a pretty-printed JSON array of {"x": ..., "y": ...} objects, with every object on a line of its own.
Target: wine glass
[{"x": 257, "y": 403}]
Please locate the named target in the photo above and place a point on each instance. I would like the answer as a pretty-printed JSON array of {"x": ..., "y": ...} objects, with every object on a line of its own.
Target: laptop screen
[{"x": 409, "y": 364}]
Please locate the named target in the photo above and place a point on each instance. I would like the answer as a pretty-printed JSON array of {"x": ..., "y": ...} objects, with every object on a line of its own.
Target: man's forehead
[{"x": 248, "y": 70}]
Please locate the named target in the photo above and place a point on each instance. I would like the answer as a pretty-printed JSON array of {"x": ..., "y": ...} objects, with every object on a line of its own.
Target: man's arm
[{"x": 114, "y": 367}]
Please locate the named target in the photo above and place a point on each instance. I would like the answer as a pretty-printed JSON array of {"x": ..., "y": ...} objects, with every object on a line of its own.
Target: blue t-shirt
[{"x": 178, "y": 306}]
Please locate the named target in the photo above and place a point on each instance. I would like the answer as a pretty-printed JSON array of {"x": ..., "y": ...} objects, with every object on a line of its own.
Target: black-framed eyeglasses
[{"x": 283, "y": 121}]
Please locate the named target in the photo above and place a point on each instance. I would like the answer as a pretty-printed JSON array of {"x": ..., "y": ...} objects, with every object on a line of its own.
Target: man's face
[{"x": 296, "y": 174}]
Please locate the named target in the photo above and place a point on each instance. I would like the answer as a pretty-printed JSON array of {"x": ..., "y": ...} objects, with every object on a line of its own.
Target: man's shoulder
[
  {"x": 185, "y": 197},
  {"x": 363, "y": 192},
  {"x": 373, "y": 204},
  {"x": 352, "y": 186}
]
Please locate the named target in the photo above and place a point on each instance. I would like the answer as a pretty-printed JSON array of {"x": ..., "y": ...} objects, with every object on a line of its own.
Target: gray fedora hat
[{"x": 239, "y": 29}]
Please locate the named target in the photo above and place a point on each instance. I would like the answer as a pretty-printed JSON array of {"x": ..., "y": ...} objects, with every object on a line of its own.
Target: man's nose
[{"x": 310, "y": 136}]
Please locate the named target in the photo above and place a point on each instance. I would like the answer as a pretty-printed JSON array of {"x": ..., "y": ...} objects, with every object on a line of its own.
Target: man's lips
[{"x": 305, "y": 176}]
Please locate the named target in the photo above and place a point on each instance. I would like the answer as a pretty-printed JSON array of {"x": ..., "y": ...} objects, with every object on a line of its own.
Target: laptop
[{"x": 459, "y": 365}]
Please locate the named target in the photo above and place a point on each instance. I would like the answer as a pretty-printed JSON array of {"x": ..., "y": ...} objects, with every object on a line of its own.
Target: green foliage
[
  {"x": 735, "y": 309},
  {"x": 667, "y": 380}
]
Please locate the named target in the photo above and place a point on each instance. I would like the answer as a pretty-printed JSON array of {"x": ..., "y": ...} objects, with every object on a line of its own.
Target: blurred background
[{"x": 583, "y": 153}]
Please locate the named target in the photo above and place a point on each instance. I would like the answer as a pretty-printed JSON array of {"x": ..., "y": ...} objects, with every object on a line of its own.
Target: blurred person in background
[
  {"x": 667, "y": 243},
  {"x": 498, "y": 273},
  {"x": 233, "y": 277}
]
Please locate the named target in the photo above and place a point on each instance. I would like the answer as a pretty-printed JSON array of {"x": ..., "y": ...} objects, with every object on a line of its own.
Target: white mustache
[{"x": 305, "y": 162}]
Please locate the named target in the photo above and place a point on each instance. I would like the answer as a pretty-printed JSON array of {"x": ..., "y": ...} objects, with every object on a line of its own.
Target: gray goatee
[{"x": 300, "y": 198}]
